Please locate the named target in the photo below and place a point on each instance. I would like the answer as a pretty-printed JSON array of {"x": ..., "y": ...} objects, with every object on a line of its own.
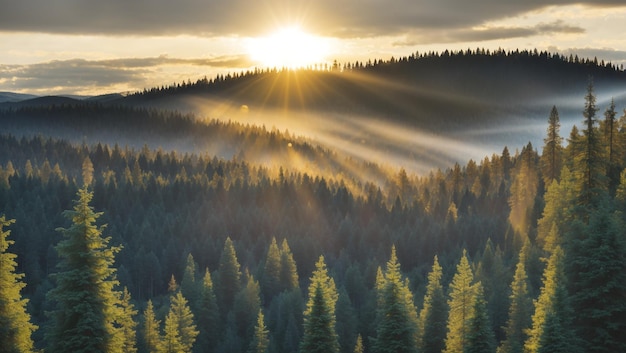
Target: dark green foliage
[
  {"x": 397, "y": 317},
  {"x": 434, "y": 314},
  {"x": 319, "y": 316},
  {"x": 552, "y": 154},
  {"x": 229, "y": 278},
  {"x": 520, "y": 310},
  {"x": 597, "y": 277},
  {"x": 480, "y": 336},
  {"x": 86, "y": 302},
  {"x": 208, "y": 317}
]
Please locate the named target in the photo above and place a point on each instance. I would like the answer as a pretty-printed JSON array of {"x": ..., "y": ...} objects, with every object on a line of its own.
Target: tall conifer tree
[
  {"x": 15, "y": 326},
  {"x": 480, "y": 337},
  {"x": 151, "y": 329},
  {"x": 461, "y": 304},
  {"x": 520, "y": 310},
  {"x": 434, "y": 314},
  {"x": 86, "y": 302},
  {"x": 552, "y": 155},
  {"x": 319, "y": 316},
  {"x": 208, "y": 316},
  {"x": 552, "y": 309},
  {"x": 229, "y": 278},
  {"x": 397, "y": 322}
]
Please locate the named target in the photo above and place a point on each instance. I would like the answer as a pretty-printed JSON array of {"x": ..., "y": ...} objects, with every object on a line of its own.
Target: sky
[{"x": 90, "y": 47}]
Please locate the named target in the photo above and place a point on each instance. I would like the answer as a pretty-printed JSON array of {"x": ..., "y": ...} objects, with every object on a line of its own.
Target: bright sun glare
[{"x": 288, "y": 47}]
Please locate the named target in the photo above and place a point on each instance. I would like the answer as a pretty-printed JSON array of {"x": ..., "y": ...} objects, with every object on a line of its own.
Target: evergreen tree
[
  {"x": 523, "y": 191},
  {"x": 86, "y": 302},
  {"x": 260, "y": 340},
  {"x": 171, "y": 341},
  {"x": 589, "y": 162},
  {"x": 180, "y": 331},
  {"x": 319, "y": 316},
  {"x": 397, "y": 316},
  {"x": 461, "y": 304},
  {"x": 552, "y": 156},
  {"x": 611, "y": 141},
  {"x": 480, "y": 337},
  {"x": 552, "y": 308},
  {"x": 229, "y": 278},
  {"x": 246, "y": 306},
  {"x": 288, "y": 270},
  {"x": 188, "y": 285},
  {"x": 15, "y": 326},
  {"x": 358, "y": 347},
  {"x": 151, "y": 329},
  {"x": 208, "y": 316},
  {"x": 520, "y": 310},
  {"x": 596, "y": 270},
  {"x": 270, "y": 283},
  {"x": 557, "y": 215},
  {"x": 434, "y": 314},
  {"x": 127, "y": 324},
  {"x": 346, "y": 325}
]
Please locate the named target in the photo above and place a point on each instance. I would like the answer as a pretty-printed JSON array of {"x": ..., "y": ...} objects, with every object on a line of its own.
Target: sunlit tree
[
  {"x": 319, "y": 316},
  {"x": 434, "y": 314},
  {"x": 15, "y": 324},
  {"x": 461, "y": 306}
]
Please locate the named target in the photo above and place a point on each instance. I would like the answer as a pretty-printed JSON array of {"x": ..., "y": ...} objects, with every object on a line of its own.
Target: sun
[{"x": 289, "y": 47}]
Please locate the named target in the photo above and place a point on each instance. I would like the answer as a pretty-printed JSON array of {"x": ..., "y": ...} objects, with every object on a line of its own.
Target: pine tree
[
  {"x": 397, "y": 316},
  {"x": 480, "y": 337},
  {"x": 552, "y": 156},
  {"x": 188, "y": 285},
  {"x": 171, "y": 341},
  {"x": 288, "y": 270},
  {"x": 610, "y": 132},
  {"x": 358, "y": 347},
  {"x": 524, "y": 190},
  {"x": 229, "y": 278},
  {"x": 596, "y": 269},
  {"x": 319, "y": 316},
  {"x": 434, "y": 314},
  {"x": 557, "y": 215},
  {"x": 15, "y": 326},
  {"x": 151, "y": 329},
  {"x": 246, "y": 306},
  {"x": 589, "y": 166},
  {"x": 461, "y": 304},
  {"x": 346, "y": 325},
  {"x": 180, "y": 331},
  {"x": 552, "y": 308},
  {"x": 208, "y": 316},
  {"x": 520, "y": 311},
  {"x": 127, "y": 324},
  {"x": 260, "y": 340},
  {"x": 270, "y": 282},
  {"x": 86, "y": 302}
]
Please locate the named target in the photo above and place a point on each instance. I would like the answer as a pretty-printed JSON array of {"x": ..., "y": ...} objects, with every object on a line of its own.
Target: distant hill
[
  {"x": 421, "y": 112},
  {"x": 14, "y": 97}
]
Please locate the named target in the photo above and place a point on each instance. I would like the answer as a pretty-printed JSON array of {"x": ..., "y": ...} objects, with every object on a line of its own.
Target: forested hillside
[{"x": 285, "y": 246}]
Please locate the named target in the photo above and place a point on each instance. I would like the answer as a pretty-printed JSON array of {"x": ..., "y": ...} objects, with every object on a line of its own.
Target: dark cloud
[
  {"x": 490, "y": 33},
  {"x": 347, "y": 18},
  {"x": 80, "y": 74}
]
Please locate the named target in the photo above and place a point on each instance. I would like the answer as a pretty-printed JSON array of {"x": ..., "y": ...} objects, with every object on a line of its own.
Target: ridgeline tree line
[{"x": 521, "y": 253}]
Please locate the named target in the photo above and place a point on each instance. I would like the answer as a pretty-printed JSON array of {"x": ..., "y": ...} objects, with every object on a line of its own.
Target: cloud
[
  {"x": 100, "y": 75},
  {"x": 488, "y": 33},
  {"x": 347, "y": 18}
]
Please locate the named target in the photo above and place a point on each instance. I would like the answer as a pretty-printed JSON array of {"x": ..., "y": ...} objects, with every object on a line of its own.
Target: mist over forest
[{"x": 467, "y": 201}]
